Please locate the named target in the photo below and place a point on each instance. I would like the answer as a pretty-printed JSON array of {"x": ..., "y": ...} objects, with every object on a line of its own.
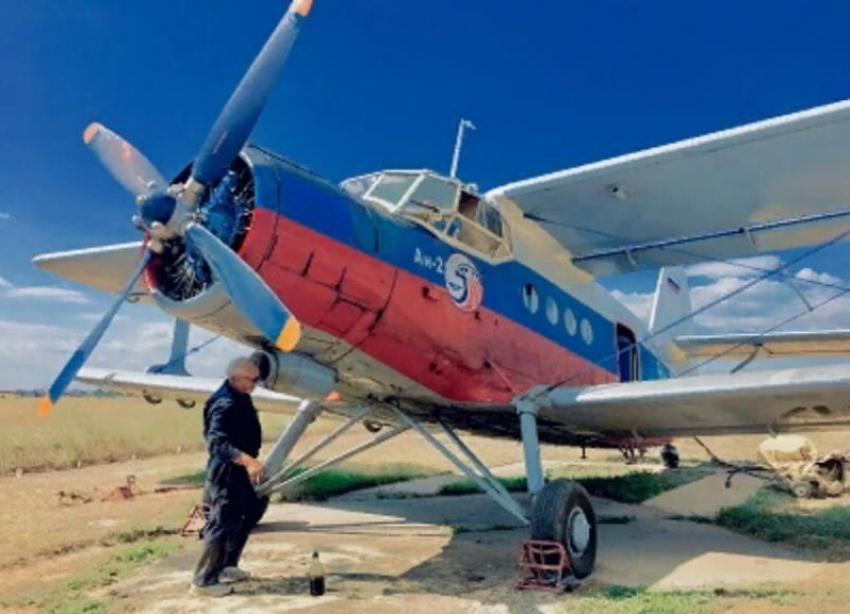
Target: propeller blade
[
  {"x": 126, "y": 163},
  {"x": 79, "y": 357},
  {"x": 247, "y": 290},
  {"x": 236, "y": 121}
]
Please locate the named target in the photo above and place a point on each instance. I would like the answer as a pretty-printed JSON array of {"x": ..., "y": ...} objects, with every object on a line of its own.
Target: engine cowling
[{"x": 295, "y": 374}]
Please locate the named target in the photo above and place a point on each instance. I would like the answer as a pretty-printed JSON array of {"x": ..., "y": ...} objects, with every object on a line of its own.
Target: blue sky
[{"x": 371, "y": 84}]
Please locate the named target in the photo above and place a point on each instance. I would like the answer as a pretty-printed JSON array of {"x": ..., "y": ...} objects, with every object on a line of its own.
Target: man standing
[{"x": 233, "y": 434}]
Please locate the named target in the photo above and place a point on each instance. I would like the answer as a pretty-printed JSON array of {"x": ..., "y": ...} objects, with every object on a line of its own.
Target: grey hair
[{"x": 240, "y": 364}]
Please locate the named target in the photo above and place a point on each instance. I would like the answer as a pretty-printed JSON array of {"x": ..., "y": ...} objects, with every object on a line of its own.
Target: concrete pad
[
  {"x": 707, "y": 496},
  {"x": 394, "y": 555}
]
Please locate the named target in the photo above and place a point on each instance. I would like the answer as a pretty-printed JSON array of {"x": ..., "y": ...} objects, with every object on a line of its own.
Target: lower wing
[
  {"x": 798, "y": 399},
  {"x": 180, "y": 388}
]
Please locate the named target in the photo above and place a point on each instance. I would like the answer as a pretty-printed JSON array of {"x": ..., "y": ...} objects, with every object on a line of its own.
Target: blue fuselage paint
[{"x": 325, "y": 208}]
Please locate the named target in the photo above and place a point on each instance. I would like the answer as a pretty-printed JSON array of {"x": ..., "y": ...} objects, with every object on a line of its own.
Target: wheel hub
[{"x": 579, "y": 531}]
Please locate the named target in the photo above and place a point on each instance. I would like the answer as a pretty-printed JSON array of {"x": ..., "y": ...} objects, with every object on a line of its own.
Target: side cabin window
[{"x": 479, "y": 225}]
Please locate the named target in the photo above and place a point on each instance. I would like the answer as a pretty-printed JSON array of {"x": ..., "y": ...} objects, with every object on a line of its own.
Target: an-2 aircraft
[{"x": 406, "y": 299}]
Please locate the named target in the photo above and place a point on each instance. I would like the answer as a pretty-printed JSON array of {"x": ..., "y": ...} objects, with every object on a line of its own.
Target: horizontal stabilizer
[
  {"x": 771, "y": 345},
  {"x": 104, "y": 268},
  {"x": 176, "y": 387},
  {"x": 783, "y": 400}
]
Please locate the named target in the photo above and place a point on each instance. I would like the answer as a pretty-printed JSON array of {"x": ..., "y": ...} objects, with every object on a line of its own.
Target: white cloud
[
  {"x": 4, "y": 283},
  {"x": 808, "y": 274},
  {"x": 31, "y": 354},
  {"x": 761, "y": 306},
  {"x": 5, "y": 216},
  {"x": 639, "y": 304},
  {"x": 742, "y": 267},
  {"x": 53, "y": 293}
]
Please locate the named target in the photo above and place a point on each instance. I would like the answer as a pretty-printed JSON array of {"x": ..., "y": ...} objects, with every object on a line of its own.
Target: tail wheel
[
  {"x": 670, "y": 456},
  {"x": 563, "y": 513}
]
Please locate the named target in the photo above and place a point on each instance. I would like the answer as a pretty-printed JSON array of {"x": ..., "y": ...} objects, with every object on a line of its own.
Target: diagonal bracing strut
[{"x": 487, "y": 481}]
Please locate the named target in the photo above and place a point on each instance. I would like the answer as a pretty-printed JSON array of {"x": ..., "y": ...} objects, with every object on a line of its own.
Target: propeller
[
  {"x": 168, "y": 212},
  {"x": 79, "y": 357},
  {"x": 126, "y": 163},
  {"x": 247, "y": 289}
]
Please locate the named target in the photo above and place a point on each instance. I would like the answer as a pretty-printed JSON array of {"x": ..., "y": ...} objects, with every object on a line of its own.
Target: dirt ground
[{"x": 434, "y": 555}]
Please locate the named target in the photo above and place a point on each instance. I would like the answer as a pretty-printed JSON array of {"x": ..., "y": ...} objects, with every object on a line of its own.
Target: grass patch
[
  {"x": 195, "y": 478},
  {"x": 775, "y": 517},
  {"x": 637, "y": 487},
  {"x": 338, "y": 481},
  {"x": 74, "y": 596},
  {"x": 634, "y": 487},
  {"x": 468, "y": 487},
  {"x": 617, "y": 599}
]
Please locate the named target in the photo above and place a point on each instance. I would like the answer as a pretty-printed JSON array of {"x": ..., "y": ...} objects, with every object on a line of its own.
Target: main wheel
[{"x": 563, "y": 513}]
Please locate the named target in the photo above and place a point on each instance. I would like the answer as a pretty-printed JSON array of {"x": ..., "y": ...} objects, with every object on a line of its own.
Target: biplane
[{"x": 407, "y": 299}]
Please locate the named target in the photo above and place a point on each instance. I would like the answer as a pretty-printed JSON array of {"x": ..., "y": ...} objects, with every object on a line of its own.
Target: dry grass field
[{"x": 90, "y": 430}]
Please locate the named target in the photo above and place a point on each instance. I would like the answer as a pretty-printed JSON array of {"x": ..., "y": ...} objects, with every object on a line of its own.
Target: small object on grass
[
  {"x": 69, "y": 497},
  {"x": 317, "y": 576},
  {"x": 19, "y": 473}
]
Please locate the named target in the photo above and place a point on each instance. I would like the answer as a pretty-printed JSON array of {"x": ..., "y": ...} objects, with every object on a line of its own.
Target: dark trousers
[{"x": 235, "y": 510}]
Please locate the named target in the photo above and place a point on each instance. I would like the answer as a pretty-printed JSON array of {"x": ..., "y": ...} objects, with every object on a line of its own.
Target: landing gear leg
[{"x": 562, "y": 510}]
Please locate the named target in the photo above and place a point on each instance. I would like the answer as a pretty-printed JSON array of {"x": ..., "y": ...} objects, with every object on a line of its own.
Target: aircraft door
[{"x": 627, "y": 354}]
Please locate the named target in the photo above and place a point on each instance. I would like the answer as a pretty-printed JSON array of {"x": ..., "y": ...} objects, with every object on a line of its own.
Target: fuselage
[{"x": 400, "y": 309}]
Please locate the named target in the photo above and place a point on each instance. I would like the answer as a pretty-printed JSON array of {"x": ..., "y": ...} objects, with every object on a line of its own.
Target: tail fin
[{"x": 669, "y": 316}]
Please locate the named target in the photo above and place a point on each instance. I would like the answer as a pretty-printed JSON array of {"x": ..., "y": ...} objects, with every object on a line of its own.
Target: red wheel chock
[
  {"x": 544, "y": 566},
  {"x": 196, "y": 522}
]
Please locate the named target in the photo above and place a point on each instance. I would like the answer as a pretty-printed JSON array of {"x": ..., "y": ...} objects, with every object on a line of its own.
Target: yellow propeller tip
[
  {"x": 44, "y": 407},
  {"x": 289, "y": 335},
  {"x": 91, "y": 131},
  {"x": 302, "y": 7}
]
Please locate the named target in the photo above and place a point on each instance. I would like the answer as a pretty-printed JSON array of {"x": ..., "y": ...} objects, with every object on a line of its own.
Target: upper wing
[
  {"x": 757, "y": 402},
  {"x": 176, "y": 387},
  {"x": 105, "y": 268},
  {"x": 772, "y": 345},
  {"x": 767, "y": 186}
]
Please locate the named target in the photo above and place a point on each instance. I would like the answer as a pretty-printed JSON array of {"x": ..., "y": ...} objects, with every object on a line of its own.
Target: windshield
[
  {"x": 435, "y": 195},
  {"x": 392, "y": 188}
]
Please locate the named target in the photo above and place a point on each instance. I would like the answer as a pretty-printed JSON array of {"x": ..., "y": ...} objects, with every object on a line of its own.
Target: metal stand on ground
[{"x": 545, "y": 566}]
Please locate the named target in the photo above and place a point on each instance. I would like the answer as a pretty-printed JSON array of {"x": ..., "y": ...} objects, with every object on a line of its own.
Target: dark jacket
[{"x": 231, "y": 425}]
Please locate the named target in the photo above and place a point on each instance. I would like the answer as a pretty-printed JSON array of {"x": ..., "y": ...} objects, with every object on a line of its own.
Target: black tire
[
  {"x": 185, "y": 404},
  {"x": 557, "y": 505},
  {"x": 670, "y": 456}
]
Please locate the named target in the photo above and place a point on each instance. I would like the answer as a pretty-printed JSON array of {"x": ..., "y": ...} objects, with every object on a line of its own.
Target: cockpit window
[
  {"x": 392, "y": 188},
  {"x": 358, "y": 186},
  {"x": 435, "y": 195}
]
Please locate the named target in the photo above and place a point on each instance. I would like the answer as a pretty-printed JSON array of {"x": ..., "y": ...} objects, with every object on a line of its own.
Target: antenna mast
[{"x": 464, "y": 124}]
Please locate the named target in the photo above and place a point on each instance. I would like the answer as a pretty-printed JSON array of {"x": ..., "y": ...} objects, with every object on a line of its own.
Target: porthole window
[
  {"x": 586, "y": 331},
  {"x": 530, "y": 298},
  {"x": 552, "y": 312},
  {"x": 570, "y": 322}
]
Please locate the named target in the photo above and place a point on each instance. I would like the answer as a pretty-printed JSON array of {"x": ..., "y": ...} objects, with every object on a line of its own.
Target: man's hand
[{"x": 252, "y": 465}]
